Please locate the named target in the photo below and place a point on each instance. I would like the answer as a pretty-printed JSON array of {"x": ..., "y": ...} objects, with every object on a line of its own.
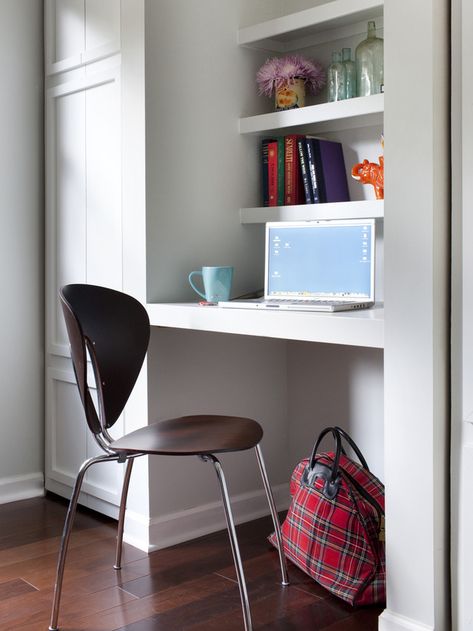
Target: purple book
[{"x": 330, "y": 171}]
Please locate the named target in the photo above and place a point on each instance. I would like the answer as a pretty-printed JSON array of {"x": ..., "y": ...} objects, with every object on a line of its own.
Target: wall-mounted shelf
[
  {"x": 358, "y": 112},
  {"x": 327, "y": 22},
  {"x": 351, "y": 328},
  {"x": 308, "y": 212}
]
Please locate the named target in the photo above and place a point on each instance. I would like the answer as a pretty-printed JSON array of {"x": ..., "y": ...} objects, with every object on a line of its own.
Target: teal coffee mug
[{"x": 217, "y": 283}]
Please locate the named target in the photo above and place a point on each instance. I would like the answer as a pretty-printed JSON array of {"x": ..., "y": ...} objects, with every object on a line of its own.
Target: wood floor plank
[
  {"x": 276, "y": 611},
  {"x": 72, "y": 607},
  {"x": 168, "y": 577},
  {"x": 159, "y": 603},
  {"x": 28, "y": 521},
  {"x": 366, "y": 619},
  {"x": 15, "y": 587},
  {"x": 88, "y": 553},
  {"x": 51, "y": 546}
]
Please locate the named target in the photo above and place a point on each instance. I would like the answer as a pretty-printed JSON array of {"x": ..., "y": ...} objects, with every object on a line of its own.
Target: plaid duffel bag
[{"x": 334, "y": 529}]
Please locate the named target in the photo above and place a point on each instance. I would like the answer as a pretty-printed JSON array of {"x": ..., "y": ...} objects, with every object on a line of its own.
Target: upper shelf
[
  {"x": 350, "y": 113},
  {"x": 333, "y": 20},
  {"x": 353, "y": 328}
]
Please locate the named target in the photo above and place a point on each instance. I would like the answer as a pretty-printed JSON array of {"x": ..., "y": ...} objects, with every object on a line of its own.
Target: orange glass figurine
[{"x": 371, "y": 173}]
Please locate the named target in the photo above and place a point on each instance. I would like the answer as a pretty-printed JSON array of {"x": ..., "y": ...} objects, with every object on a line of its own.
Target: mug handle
[{"x": 193, "y": 286}]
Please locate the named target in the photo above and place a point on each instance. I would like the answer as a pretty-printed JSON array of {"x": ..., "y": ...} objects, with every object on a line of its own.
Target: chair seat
[{"x": 192, "y": 435}]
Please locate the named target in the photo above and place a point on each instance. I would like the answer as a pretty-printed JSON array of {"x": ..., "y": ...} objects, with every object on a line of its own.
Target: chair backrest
[{"x": 114, "y": 328}]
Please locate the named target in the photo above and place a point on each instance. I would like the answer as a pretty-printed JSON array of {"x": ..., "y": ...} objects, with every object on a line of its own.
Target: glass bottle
[
  {"x": 336, "y": 78},
  {"x": 369, "y": 59},
  {"x": 350, "y": 73}
]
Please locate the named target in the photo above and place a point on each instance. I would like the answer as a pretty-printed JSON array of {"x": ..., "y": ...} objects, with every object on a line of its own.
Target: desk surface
[{"x": 352, "y": 328}]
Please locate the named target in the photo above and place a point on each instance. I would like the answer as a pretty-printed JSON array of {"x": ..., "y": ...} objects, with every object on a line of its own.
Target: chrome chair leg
[
  {"x": 66, "y": 534},
  {"x": 121, "y": 515},
  {"x": 245, "y": 605},
  {"x": 274, "y": 515}
]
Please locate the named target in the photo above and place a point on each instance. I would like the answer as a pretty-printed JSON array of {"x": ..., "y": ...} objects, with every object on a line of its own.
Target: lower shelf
[{"x": 352, "y": 328}]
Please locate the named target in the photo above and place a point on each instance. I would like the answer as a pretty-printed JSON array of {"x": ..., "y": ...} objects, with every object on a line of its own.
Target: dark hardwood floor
[{"x": 189, "y": 586}]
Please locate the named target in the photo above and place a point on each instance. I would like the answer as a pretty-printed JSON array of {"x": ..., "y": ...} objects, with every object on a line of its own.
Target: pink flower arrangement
[{"x": 279, "y": 71}]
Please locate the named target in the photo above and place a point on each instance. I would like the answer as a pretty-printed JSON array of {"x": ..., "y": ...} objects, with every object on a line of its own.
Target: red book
[
  {"x": 273, "y": 173},
  {"x": 293, "y": 184}
]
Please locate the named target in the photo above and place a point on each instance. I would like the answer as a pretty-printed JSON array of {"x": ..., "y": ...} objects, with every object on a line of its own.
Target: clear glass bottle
[
  {"x": 350, "y": 73},
  {"x": 336, "y": 78},
  {"x": 369, "y": 59}
]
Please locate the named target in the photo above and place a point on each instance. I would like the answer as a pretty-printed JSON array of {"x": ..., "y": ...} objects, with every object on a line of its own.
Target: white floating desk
[{"x": 352, "y": 328}]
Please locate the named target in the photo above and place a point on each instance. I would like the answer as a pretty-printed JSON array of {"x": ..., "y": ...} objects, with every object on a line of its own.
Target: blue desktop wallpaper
[{"x": 319, "y": 260}]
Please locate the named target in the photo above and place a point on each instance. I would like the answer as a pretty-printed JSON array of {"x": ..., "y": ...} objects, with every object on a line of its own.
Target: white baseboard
[
  {"x": 150, "y": 534},
  {"x": 390, "y": 621},
  {"x": 21, "y": 487}
]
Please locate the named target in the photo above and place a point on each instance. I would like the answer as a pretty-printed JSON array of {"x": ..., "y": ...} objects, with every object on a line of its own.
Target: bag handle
[
  {"x": 338, "y": 434},
  {"x": 338, "y": 450}
]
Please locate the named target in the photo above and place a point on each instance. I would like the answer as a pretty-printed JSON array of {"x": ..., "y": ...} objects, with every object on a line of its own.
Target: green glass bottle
[
  {"x": 336, "y": 79},
  {"x": 350, "y": 73},
  {"x": 369, "y": 59}
]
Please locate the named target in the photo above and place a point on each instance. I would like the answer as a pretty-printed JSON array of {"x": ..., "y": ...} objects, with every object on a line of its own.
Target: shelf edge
[
  {"x": 327, "y": 15},
  {"x": 338, "y": 113},
  {"x": 306, "y": 212}
]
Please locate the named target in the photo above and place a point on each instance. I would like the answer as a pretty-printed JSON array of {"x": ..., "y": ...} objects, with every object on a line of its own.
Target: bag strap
[{"x": 354, "y": 446}]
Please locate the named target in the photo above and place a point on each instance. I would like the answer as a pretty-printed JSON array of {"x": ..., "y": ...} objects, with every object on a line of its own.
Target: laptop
[{"x": 325, "y": 265}]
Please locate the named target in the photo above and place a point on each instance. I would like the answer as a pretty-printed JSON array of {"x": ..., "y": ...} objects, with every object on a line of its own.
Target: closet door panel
[
  {"x": 66, "y": 428},
  {"x": 102, "y": 25},
  {"x": 70, "y": 200},
  {"x": 80, "y": 32},
  {"x": 103, "y": 164},
  {"x": 64, "y": 22}
]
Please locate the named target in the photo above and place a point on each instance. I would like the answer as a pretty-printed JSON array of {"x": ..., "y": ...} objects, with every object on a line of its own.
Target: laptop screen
[{"x": 320, "y": 259}]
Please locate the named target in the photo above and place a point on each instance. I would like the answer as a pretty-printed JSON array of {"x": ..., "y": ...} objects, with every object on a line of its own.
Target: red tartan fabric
[{"x": 337, "y": 542}]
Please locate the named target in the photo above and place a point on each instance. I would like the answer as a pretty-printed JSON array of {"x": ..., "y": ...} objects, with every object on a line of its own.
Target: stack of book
[{"x": 301, "y": 169}]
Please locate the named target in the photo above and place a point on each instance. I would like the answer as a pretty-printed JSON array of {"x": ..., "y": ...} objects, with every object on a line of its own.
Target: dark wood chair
[{"x": 113, "y": 328}]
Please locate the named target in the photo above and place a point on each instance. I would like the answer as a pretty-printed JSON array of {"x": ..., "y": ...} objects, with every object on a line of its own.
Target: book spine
[
  {"x": 281, "y": 171},
  {"x": 304, "y": 170},
  {"x": 319, "y": 170},
  {"x": 272, "y": 173},
  {"x": 264, "y": 172},
  {"x": 300, "y": 195},
  {"x": 290, "y": 168},
  {"x": 312, "y": 174}
]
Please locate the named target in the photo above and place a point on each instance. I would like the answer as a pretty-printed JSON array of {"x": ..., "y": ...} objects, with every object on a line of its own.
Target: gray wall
[{"x": 21, "y": 238}]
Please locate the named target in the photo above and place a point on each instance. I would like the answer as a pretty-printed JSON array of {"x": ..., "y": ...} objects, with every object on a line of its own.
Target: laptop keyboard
[{"x": 307, "y": 302}]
